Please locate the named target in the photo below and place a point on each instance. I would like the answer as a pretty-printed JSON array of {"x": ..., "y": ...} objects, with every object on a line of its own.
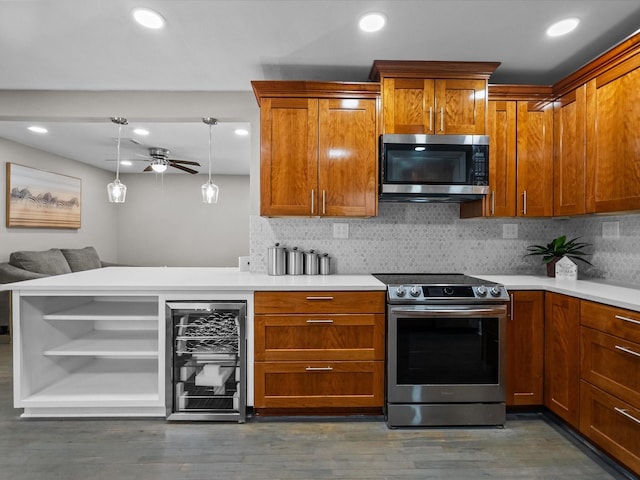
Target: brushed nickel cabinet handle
[
  {"x": 431, "y": 119},
  {"x": 626, "y": 350},
  {"x": 524, "y": 202},
  {"x": 319, "y": 369},
  {"x": 511, "y": 307},
  {"x": 442, "y": 119},
  {"x": 324, "y": 201},
  {"x": 312, "y": 201},
  {"x": 319, "y": 298},
  {"x": 320, "y": 321},
  {"x": 627, "y": 319},
  {"x": 493, "y": 202},
  {"x": 622, "y": 411}
]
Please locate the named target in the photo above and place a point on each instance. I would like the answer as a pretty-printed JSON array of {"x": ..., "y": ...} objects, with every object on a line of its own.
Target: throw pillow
[
  {"x": 80, "y": 259},
  {"x": 49, "y": 262}
]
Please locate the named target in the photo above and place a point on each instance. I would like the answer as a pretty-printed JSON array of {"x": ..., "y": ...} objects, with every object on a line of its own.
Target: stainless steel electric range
[{"x": 445, "y": 350}]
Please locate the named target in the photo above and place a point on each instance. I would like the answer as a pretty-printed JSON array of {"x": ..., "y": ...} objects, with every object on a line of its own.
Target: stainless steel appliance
[
  {"x": 433, "y": 168},
  {"x": 445, "y": 350},
  {"x": 206, "y": 361}
]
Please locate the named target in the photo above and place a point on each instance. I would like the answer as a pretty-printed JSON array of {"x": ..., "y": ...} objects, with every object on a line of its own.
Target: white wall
[
  {"x": 98, "y": 217},
  {"x": 164, "y": 222}
]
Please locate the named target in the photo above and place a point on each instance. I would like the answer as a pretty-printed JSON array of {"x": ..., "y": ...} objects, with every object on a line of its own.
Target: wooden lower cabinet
[
  {"x": 562, "y": 357},
  {"x": 319, "y": 350},
  {"x": 525, "y": 349}
]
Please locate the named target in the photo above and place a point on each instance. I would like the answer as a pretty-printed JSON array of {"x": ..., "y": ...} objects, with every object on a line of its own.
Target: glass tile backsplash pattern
[{"x": 431, "y": 238}]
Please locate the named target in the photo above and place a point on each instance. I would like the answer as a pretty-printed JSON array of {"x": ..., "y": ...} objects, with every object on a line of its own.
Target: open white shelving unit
[{"x": 90, "y": 355}]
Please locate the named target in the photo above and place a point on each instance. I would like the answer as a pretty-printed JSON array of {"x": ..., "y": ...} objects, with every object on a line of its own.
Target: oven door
[{"x": 446, "y": 354}]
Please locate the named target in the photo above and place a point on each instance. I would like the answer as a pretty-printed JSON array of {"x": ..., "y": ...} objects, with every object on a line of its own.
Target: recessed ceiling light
[
  {"x": 141, "y": 131},
  {"x": 563, "y": 27},
  {"x": 372, "y": 22},
  {"x": 126, "y": 163},
  {"x": 148, "y": 18},
  {"x": 241, "y": 131},
  {"x": 36, "y": 129}
]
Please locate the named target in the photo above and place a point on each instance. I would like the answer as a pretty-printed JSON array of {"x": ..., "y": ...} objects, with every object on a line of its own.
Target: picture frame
[{"x": 40, "y": 199}]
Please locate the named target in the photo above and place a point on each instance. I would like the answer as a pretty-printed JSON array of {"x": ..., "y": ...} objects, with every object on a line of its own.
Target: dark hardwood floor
[{"x": 530, "y": 447}]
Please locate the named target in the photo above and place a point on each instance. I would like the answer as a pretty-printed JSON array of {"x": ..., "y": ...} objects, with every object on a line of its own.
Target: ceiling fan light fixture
[
  {"x": 159, "y": 166},
  {"x": 210, "y": 190},
  {"x": 116, "y": 190},
  {"x": 148, "y": 18}
]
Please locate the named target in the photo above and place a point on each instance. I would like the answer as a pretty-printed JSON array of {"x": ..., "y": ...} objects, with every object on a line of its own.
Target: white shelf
[
  {"x": 130, "y": 343},
  {"x": 108, "y": 310},
  {"x": 104, "y": 382}
]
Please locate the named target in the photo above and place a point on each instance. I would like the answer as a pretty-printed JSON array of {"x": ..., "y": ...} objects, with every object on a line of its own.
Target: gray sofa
[{"x": 28, "y": 265}]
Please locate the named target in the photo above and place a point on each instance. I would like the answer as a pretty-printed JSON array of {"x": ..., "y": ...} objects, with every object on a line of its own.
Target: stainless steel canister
[
  {"x": 277, "y": 260},
  {"x": 325, "y": 264},
  {"x": 295, "y": 263},
  {"x": 311, "y": 262}
]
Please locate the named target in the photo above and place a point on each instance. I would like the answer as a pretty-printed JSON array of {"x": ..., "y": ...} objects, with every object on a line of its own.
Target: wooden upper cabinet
[
  {"x": 535, "y": 159},
  {"x": 569, "y": 168},
  {"x": 501, "y": 128},
  {"x": 318, "y": 148},
  {"x": 613, "y": 149},
  {"x": 420, "y": 97}
]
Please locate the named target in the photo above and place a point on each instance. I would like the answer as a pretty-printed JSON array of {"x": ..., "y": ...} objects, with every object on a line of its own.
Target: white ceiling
[{"x": 221, "y": 45}]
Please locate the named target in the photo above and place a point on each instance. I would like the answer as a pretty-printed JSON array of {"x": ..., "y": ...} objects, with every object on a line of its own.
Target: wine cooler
[{"x": 206, "y": 367}]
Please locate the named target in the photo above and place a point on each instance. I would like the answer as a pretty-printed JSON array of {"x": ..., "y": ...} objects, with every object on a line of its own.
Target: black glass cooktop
[{"x": 429, "y": 279}]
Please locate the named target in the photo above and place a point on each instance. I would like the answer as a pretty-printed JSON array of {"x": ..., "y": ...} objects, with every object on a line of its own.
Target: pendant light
[
  {"x": 117, "y": 191},
  {"x": 209, "y": 189}
]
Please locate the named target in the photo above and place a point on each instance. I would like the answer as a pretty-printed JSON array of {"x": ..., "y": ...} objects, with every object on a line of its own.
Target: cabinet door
[
  {"x": 460, "y": 106},
  {"x": 525, "y": 349},
  {"x": 408, "y": 105},
  {"x": 562, "y": 357},
  {"x": 348, "y": 160},
  {"x": 569, "y": 168},
  {"x": 501, "y": 128},
  {"x": 535, "y": 160},
  {"x": 289, "y": 156},
  {"x": 613, "y": 150}
]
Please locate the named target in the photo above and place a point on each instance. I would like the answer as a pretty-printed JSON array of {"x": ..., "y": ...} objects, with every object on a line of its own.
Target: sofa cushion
[
  {"x": 50, "y": 262},
  {"x": 80, "y": 259}
]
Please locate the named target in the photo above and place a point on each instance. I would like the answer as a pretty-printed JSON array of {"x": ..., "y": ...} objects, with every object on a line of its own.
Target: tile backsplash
[{"x": 431, "y": 238}]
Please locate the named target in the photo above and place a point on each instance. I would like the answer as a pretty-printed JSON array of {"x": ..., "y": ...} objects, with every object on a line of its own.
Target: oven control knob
[
  {"x": 415, "y": 291},
  {"x": 495, "y": 291},
  {"x": 400, "y": 291},
  {"x": 481, "y": 291}
]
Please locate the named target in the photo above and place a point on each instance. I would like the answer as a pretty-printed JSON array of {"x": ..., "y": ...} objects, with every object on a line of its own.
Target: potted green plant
[{"x": 558, "y": 248}]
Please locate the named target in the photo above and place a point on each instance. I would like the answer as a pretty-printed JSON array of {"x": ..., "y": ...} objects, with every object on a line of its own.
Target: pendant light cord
[
  {"x": 118, "y": 153},
  {"x": 210, "y": 129}
]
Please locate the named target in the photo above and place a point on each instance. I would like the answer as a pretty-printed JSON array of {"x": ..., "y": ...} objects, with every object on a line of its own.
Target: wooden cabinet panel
[
  {"x": 611, "y": 424},
  {"x": 613, "y": 120},
  {"x": 525, "y": 349},
  {"x": 460, "y": 106},
  {"x": 569, "y": 169},
  {"x": 408, "y": 105},
  {"x": 501, "y": 128},
  {"x": 562, "y": 356},
  {"x": 319, "y": 337},
  {"x": 535, "y": 160},
  {"x": 348, "y": 179},
  {"x": 612, "y": 364},
  {"x": 319, "y": 384},
  {"x": 288, "y": 155},
  {"x": 612, "y": 320},
  {"x": 319, "y": 302}
]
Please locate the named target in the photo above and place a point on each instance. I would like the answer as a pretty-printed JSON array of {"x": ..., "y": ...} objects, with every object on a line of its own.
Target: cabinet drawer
[
  {"x": 319, "y": 302},
  {"x": 612, "y": 424},
  {"x": 319, "y": 337},
  {"x": 615, "y": 321},
  {"x": 319, "y": 384},
  {"x": 612, "y": 364}
]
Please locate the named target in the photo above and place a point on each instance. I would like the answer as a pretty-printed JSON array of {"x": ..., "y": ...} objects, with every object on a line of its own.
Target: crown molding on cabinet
[
  {"x": 431, "y": 69},
  {"x": 312, "y": 89}
]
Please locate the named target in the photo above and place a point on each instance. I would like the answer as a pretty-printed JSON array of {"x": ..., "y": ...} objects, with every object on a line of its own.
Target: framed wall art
[{"x": 40, "y": 199}]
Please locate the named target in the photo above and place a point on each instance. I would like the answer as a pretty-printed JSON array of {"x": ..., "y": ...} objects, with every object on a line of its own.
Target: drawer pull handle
[
  {"x": 320, "y": 321},
  {"x": 627, "y": 319},
  {"x": 626, "y": 350},
  {"x": 319, "y": 369},
  {"x": 622, "y": 411},
  {"x": 319, "y": 298}
]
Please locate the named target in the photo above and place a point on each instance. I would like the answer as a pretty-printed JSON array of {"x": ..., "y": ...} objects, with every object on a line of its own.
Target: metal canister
[
  {"x": 311, "y": 262},
  {"x": 295, "y": 263},
  {"x": 324, "y": 264},
  {"x": 277, "y": 260}
]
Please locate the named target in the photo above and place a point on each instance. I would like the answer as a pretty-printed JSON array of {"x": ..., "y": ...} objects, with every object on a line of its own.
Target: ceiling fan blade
[
  {"x": 148, "y": 169},
  {"x": 185, "y": 162},
  {"x": 180, "y": 167}
]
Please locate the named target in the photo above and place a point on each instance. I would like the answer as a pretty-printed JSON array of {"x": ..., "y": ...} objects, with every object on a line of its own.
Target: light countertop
[{"x": 200, "y": 279}]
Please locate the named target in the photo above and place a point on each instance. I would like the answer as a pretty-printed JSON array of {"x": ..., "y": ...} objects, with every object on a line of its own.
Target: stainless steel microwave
[{"x": 433, "y": 168}]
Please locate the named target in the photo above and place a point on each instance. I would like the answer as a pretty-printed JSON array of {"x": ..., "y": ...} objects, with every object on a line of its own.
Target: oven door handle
[{"x": 451, "y": 312}]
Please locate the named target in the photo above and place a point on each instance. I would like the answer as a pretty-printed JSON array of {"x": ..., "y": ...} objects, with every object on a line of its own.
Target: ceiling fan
[{"x": 159, "y": 158}]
